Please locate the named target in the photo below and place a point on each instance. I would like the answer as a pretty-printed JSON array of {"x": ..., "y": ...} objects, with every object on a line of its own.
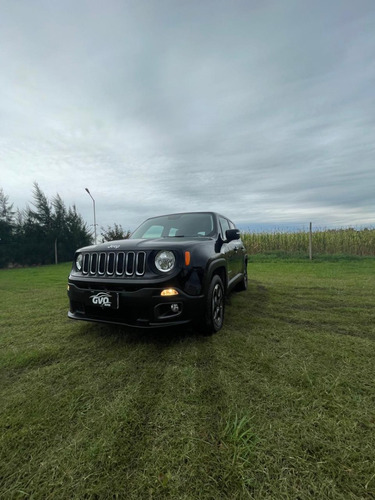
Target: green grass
[{"x": 278, "y": 405}]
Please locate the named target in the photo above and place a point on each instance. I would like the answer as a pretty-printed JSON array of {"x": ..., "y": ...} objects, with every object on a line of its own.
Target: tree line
[{"x": 45, "y": 233}]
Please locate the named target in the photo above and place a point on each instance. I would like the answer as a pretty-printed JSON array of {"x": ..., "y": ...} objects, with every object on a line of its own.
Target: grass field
[{"x": 278, "y": 405}]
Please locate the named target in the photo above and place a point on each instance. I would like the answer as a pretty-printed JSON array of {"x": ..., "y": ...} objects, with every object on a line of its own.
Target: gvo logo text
[{"x": 101, "y": 299}]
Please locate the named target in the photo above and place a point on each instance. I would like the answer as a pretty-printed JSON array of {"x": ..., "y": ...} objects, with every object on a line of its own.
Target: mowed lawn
[{"x": 278, "y": 405}]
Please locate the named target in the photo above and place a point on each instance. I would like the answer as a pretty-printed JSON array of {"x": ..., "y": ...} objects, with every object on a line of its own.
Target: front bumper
[{"x": 144, "y": 307}]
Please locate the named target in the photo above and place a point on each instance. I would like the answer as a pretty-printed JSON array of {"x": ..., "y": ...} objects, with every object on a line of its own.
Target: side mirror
[{"x": 232, "y": 234}]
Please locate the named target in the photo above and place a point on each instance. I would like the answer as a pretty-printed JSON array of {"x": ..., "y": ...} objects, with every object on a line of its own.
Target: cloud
[{"x": 260, "y": 111}]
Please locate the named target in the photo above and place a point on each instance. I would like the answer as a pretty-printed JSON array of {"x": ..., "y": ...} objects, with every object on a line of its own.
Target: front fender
[{"x": 212, "y": 268}]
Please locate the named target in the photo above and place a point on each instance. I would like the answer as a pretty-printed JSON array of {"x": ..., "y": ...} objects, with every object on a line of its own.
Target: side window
[
  {"x": 224, "y": 225},
  {"x": 231, "y": 225}
]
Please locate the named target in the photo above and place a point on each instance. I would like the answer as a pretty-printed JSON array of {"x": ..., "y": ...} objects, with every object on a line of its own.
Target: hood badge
[{"x": 113, "y": 246}]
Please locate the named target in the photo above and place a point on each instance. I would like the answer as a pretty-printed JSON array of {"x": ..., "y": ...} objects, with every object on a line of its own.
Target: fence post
[{"x": 310, "y": 242}]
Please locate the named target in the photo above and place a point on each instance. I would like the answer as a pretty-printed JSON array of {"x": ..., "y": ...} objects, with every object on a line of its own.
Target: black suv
[{"x": 174, "y": 269}]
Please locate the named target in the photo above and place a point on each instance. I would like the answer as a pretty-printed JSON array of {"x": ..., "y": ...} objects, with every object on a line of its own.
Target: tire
[
  {"x": 213, "y": 319},
  {"x": 242, "y": 286}
]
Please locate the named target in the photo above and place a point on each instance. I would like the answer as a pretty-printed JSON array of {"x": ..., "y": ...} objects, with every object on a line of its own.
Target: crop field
[
  {"x": 278, "y": 405},
  {"x": 324, "y": 242}
]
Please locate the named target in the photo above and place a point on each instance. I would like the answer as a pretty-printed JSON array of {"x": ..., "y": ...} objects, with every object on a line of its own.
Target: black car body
[{"x": 174, "y": 269}]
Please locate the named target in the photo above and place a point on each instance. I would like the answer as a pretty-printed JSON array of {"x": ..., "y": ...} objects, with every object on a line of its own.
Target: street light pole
[{"x": 86, "y": 189}]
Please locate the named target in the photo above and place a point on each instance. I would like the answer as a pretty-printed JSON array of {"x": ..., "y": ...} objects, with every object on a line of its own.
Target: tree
[
  {"x": 40, "y": 234},
  {"x": 6, "y": 210},
  {"x": 6, "y": 229},
  {"x": 59, "y": 231},
  {"x": 38, "y": 230},
  {"x": 43, "y": 213},
  {"x": 115, "y": 233},
  {"x": 78, "y": 234}
]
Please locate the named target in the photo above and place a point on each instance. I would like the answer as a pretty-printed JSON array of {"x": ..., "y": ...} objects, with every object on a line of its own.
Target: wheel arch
[{"x": 217, "y": 267}]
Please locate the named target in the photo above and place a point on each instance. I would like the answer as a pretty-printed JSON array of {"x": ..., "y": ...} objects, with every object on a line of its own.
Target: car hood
[{"x": 147, "y": 244}]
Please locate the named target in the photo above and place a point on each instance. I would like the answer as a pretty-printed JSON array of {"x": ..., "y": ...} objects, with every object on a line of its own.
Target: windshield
[{"x": 176, "y": 226}]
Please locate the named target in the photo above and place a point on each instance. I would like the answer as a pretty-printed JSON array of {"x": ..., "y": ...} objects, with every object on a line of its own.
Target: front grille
[{"x": 114, "y": 264}]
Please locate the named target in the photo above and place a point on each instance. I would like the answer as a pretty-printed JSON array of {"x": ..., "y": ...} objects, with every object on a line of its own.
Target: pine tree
[
  {"x": 41, "y": 234},
  {"x": 6, "y": 229}
]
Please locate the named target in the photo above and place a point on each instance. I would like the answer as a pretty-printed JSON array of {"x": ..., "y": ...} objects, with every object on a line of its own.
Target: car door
[
  {"x": 238, "y": 253},
  {"x": 228, "y": 249}
]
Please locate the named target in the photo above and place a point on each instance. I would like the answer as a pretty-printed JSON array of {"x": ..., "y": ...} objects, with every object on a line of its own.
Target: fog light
[
  {"x": 168, "y": 292},
  {"x": 175, "y": 308}
]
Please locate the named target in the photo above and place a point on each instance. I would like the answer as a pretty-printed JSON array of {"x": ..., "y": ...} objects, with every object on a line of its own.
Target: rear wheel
[{"x": 213, "y": 319}]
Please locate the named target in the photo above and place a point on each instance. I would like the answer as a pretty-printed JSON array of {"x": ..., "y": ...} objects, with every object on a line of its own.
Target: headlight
[
  {"x": 165, "y": 261},
  {"x": 79, "y": 260}
]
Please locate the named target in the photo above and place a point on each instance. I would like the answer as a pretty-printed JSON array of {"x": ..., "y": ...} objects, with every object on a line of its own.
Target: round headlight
[
  {"x": 79, "y": 260},
  {"x": 165, "y": 261}
]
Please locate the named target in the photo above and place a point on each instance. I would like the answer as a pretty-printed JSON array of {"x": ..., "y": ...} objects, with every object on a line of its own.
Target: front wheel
[{"x": 215, "y": 305}]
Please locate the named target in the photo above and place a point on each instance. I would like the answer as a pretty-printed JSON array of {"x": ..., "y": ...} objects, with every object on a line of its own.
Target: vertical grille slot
[
  {"x": 93, "y": 263},
  {"x": 130, "y": 261},
  {"x": 141, "y": 262},
  {"x": 86, "y": 260},
  {"x": 111, "y": 263},
  {"x": 120, "y": 264},
  {"x": 101, "y": 267}
]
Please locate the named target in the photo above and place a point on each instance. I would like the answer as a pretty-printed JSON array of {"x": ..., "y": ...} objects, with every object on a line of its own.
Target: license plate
[{"x": 105, "y": 300}]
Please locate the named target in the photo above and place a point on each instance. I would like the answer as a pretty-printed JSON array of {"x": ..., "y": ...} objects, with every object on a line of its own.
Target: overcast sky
[{"x": 261, "y": 110}]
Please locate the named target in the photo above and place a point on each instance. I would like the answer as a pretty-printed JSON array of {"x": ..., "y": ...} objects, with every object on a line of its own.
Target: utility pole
[
  {"x": 310, "y": 241},
  {"x": 86, "y": 189}
]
